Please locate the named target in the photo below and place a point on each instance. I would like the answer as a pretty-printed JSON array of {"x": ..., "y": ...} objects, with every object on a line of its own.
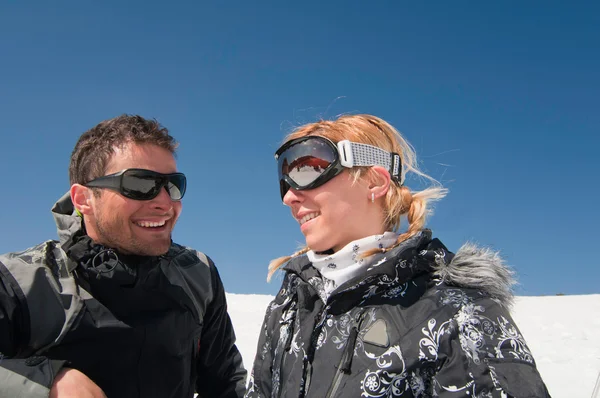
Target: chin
[
  {"x": 318, "y": 247},
  {"x": 158, "y": 251},
  {"x": 154, "y": 253},
  {"x": 149, "y": 250}
]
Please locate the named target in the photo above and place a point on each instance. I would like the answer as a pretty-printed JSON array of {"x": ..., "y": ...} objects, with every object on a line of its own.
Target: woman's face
[{"x": 336, "y": 213}]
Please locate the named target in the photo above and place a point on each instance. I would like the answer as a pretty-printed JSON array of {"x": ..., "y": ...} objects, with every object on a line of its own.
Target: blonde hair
[{"x": 399, "y": 200}]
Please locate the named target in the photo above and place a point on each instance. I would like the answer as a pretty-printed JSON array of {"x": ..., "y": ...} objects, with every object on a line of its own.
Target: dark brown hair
[{"x": 95, "y": 147}]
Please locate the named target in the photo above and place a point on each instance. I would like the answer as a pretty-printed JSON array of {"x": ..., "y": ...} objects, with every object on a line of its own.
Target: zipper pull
[{"x": 346, "y": 363}]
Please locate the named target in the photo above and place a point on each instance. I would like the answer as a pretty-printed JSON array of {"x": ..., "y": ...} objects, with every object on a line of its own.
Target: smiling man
[{"x": 115, "y": 308}]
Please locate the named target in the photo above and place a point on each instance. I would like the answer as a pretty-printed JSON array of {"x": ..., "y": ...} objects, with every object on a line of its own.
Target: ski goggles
[
  {"x": 309, "y": 162},
  {"x": 141, "y": 184}
]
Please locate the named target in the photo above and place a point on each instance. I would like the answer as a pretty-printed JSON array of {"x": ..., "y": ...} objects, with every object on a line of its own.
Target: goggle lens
[{"x": 305, "y": 161}]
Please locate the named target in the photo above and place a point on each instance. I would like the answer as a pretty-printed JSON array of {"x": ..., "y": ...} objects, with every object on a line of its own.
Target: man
[{"x": 115, "y": 308}]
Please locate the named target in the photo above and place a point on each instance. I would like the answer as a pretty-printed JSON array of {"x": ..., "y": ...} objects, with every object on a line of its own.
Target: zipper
[
  {"x": 345, "y": 365},
  {"x": 307, "y": 363},
  {"x": 283, "y": 354}
]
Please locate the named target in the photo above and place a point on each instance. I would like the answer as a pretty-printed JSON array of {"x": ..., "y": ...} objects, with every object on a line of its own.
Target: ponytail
[
  {"x": 275, "y": 264},
  {"x": 400, "y": 201}
]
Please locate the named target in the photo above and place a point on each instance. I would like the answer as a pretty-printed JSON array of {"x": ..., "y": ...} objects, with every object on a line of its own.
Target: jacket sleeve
[
  {"x": 486, "y": 355},
  {"x": 20, "y": 376},
  {"x": 260, "y": 384},
  {"x": 219, "y": 365}
]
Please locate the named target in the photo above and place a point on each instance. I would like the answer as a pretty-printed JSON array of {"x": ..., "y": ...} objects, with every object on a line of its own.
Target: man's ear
[
  {"x": 380, "y": 182},
  {"x": 82, "y": 199}
]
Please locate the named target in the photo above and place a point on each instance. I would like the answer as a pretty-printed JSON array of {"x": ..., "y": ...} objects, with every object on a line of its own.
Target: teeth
[
  {"x": 148, "y": 224},
  {"x": 308, "y": 217}
]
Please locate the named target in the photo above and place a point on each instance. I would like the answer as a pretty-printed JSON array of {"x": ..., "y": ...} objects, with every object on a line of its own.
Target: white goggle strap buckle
[{"x": 346, "y": 153}]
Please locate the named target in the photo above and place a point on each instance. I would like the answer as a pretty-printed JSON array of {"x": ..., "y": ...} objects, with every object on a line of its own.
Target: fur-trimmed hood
[{"x": 478, "y": 268}]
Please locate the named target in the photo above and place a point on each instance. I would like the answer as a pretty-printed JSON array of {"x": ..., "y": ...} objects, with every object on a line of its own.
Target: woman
[{"x": 366, "y": 311}]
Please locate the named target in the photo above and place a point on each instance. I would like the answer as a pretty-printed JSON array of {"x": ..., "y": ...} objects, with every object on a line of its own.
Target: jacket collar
[
  {"x": 405, "y": 255},
  {"x": 401, "y": 264},
  {"x": 91, "y": 259},
  {"x": 68, "y": 223},
  {"x": 424, "y": 259}
]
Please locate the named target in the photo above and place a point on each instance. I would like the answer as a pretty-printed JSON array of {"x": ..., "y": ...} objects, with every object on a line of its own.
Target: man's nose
[{"x": 162, "y": 200}]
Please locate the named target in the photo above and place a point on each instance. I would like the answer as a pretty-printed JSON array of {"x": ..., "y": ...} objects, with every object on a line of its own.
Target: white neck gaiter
[{"x": 347, "y": 263}]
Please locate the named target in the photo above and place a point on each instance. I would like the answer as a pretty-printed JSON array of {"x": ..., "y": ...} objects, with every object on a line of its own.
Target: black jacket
[
  {"x": 420, "y": 323},
  {"x": 137, "y": 326}
]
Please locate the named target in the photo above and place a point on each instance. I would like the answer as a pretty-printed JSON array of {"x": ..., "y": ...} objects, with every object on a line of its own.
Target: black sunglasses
[
  {"x": 141, "y": 184},
  {"x": 309, "y": 162}
]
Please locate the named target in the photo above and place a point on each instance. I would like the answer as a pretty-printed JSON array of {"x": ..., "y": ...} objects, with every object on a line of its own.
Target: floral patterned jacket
[{"x": 421, "y": 322}]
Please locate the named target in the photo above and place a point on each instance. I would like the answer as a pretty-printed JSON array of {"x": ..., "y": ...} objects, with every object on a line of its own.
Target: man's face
[{"x": 135, "y": 226}]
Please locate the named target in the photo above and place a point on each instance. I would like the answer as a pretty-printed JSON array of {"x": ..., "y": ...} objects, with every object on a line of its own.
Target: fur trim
[{"x": 479, "y": 268}]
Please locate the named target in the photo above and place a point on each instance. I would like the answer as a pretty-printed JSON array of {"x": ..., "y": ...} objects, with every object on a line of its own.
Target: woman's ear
[
  {"x": 379, "y": 183},
  {"x": 81, "y": 198}
]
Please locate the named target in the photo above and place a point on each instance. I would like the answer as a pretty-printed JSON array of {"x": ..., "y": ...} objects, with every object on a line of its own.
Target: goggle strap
[{"x": 357, "y": 154}]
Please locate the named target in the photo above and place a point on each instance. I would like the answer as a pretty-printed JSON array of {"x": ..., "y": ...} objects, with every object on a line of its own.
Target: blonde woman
[{"x": 368, "y": 311}]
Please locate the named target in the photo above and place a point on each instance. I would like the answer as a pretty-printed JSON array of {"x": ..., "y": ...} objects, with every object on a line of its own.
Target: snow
[{"x": 561, "y": 331}]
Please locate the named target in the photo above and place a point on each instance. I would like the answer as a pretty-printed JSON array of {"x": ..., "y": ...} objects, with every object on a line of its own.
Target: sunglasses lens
[
  {"x": 146, "y": 185},
  {"x": 305, "y": 161},
  {"x": 176, "y": 186},
  {"x": 140, "y": 186}
]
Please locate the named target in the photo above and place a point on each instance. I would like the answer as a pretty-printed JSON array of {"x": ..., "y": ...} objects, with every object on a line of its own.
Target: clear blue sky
[{"x": 500, "y": 100}]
